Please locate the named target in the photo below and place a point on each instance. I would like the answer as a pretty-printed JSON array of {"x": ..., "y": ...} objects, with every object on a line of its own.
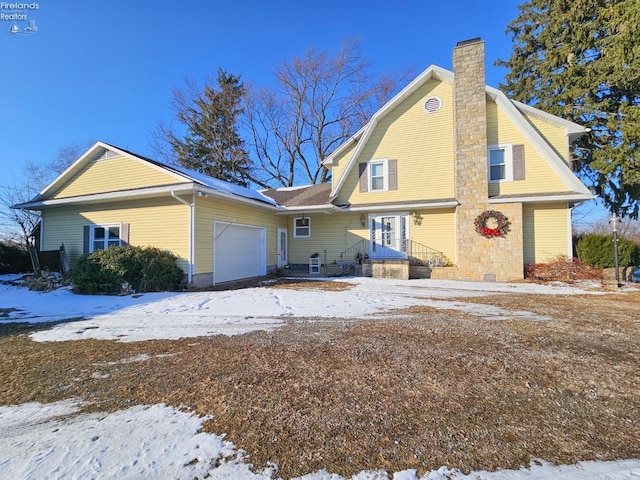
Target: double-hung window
[
  {"x": 378, "y": 176},
  {"x": 500, "y": 163},
  {"x": 302, "y": 227},
  {"x": 105, "y": 236}
]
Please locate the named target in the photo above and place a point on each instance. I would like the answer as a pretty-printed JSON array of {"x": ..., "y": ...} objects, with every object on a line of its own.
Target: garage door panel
[{"x": 239, "y": 252}]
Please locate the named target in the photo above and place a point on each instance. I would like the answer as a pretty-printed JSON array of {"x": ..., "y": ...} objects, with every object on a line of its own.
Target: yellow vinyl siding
[
  {"x": 546, "y": 232},
  {"x": 554, "y": 135},
  {"x": 209, "y": 211},
  {"x": 436, "y": 231},
  {"x": 330, "y": 236},
  {"x": 422, "y": 144},
  {"x": 162, "y": 223},
  {"x": 333, "y": 234},
  {"x": 113, "y": 174},
  {"x": 539, "y": 177}
]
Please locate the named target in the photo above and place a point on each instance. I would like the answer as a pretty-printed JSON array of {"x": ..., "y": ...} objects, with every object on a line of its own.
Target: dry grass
[{"x": 432, "y": 388}]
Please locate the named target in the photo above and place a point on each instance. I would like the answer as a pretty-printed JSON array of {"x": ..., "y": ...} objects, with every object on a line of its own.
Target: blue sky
[{"x": 105, "y": 70}]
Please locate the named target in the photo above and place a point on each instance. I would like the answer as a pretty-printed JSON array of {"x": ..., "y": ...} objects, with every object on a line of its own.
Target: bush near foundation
[
  {"x": 597, "y": 250},
  {"x": 143, "y": 269}
]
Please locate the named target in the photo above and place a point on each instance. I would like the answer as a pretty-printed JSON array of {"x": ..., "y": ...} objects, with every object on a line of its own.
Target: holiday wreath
[{"x": 492, "y": 224}]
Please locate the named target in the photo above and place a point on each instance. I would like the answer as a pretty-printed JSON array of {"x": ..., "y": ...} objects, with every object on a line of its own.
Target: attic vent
[
  {"x": 106, "y": 153},
  {"x": 432, "y": 105}
]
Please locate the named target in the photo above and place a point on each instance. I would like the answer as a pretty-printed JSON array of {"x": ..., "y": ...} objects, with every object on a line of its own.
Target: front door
[
  {"x": 387, "y": 236},
  {"x": 282, "y": 248}
]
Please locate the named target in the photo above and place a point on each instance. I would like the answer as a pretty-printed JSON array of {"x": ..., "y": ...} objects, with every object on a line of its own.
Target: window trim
[
  {"x": 106, "y": 226},
  {"x": 295, "y": 227},
  {"x": 507, "y": 148},
  {"x": 385, "y": 174}
]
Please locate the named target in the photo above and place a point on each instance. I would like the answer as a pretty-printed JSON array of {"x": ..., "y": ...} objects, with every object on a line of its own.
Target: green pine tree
[
  {"x": 211, "y": 143},
  {"x": 580, "y": 60}
]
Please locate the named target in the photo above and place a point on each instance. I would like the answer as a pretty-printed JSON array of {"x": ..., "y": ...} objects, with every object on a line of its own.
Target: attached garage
[{"x": 239, "y": 251}]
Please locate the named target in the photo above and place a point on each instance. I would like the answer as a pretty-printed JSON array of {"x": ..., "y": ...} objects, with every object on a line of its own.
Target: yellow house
[{"x": 450, "y": 174}]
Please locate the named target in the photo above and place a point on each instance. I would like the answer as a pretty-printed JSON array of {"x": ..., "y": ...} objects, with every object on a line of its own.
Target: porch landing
[{"x": 382, "y": 268}]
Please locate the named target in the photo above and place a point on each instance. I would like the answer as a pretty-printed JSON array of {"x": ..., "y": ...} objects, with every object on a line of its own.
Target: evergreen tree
[
  {"x": 211, "y": 143},
  {"x": 580, "y": 60}
]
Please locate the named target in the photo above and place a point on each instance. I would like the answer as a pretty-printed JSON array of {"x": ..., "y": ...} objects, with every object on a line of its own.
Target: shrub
[
  {"x": 89, "y": 277},
  {"x": 14, "y": 258},
  {"x": 597, "y": 250},
  {"x": 145, "y": 269}
]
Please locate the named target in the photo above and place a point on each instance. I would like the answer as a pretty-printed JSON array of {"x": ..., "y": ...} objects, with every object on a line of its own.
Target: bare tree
[
  {"x": 319, "y": 102},
  {"x": 18, "y": 225}
]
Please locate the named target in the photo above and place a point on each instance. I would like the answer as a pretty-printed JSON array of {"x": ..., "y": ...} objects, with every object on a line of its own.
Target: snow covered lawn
[
  {"x": 153, "y": 315},
  {"x": 55, "y": 440}
]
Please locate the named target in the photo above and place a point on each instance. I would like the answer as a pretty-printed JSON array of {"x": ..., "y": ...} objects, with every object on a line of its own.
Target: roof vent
[
  {"x": 104, "y": 154},
  {"x": 432, "y": 105}
]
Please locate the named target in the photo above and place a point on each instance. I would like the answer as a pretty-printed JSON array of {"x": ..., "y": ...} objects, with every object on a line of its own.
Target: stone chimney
[
  {"x": 470, "y": 123},
  {"x": 477, "y": 257}
]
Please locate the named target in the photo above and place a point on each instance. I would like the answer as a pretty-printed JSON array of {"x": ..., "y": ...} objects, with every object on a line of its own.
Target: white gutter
[
  {"x": 404, "y": 206},
  {"x": 192, "y": 244},
  {"x": 327, "y": 208},
  {"x": 578, "y": 197}
]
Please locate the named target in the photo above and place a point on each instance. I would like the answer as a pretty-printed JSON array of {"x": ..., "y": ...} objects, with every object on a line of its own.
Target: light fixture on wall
[
  {"x": 417, "y": 218},
  {"x": 363, "y": 219}
]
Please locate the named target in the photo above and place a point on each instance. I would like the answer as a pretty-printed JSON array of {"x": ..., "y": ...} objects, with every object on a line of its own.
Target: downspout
[{"x": 191, "y": 232}]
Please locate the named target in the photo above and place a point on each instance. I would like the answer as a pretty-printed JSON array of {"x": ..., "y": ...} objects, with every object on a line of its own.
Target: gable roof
[
  {"x": 511, "y": 109},
  {"x": 101, "y": 149}
]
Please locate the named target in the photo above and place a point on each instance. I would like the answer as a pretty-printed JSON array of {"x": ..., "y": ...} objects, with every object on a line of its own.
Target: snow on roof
[{"x": 221, "y": 185}]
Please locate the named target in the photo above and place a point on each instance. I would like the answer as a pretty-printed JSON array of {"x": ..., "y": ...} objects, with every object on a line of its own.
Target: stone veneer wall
[{"x": 477, "y": 257}]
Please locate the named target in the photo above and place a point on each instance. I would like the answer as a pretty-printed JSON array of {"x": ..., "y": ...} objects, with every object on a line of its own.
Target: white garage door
[{"x": 239, "y": 251}]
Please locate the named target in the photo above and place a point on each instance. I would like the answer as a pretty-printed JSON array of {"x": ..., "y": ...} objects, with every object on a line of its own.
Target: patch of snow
[
  {"x": 52, "y": 441},
  {"x": 174, "y": 315}
]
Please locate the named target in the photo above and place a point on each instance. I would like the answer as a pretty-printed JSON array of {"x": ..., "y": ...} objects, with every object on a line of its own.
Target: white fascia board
[
  {"x": 146, "y": 192},
  {"x": 212, "y": 193},
  {"x": 328, "y": 208},
  {"x": 570, "y": 128},
  {"x": 577, "y": 197},
  {"x": 101, "y": 197},
  {"x": 389, "y": 208},
  {"x": 343, "y": 146}
]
